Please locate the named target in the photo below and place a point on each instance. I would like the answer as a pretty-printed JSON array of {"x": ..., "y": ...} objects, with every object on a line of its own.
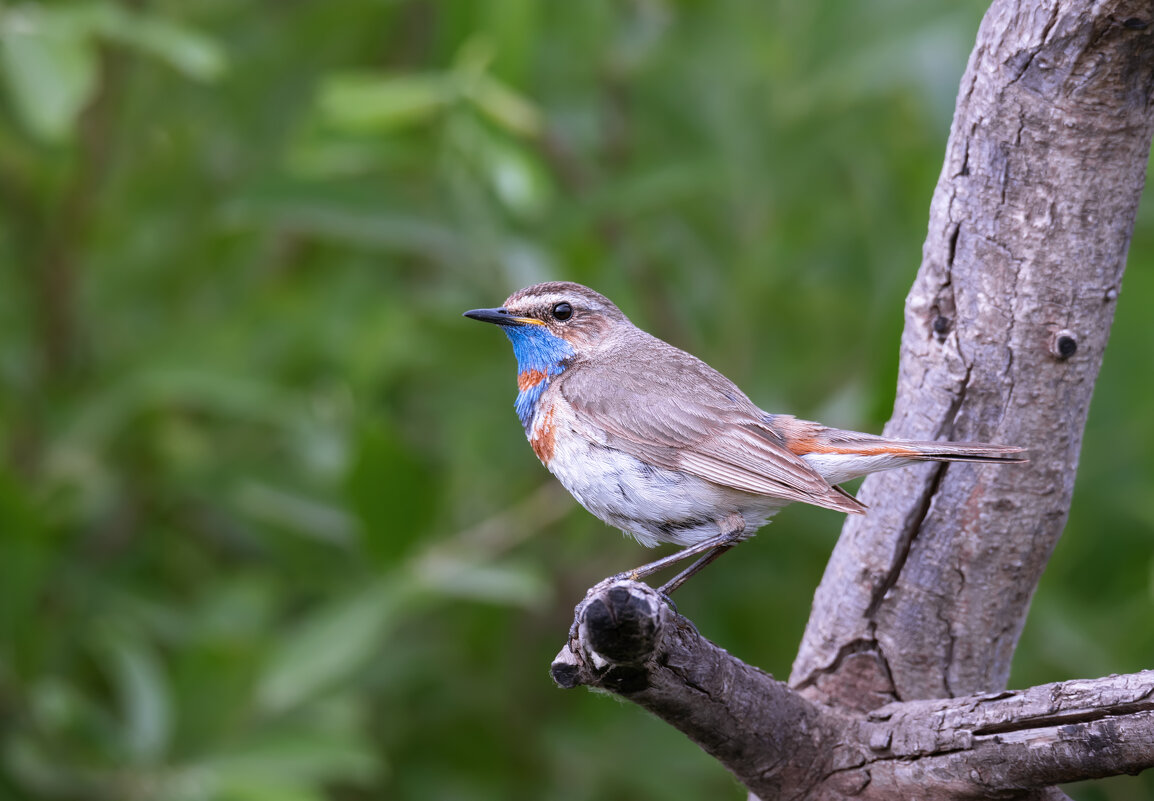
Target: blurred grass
[{"x": 269, "y": 527}]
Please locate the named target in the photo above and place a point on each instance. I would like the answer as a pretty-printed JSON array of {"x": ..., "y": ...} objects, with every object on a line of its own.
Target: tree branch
[{"x": 782, "y": 745}]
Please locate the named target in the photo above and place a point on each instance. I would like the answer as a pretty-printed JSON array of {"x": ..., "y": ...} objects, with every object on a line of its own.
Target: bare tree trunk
[
  {"x": 1006, "y": 325},
  {"x": 924, "y": 597}
]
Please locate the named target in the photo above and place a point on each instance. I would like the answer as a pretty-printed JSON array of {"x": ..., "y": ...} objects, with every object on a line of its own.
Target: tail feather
[
  {"x": 966, "y": 452},
  {"x": 848, "y": 455}
]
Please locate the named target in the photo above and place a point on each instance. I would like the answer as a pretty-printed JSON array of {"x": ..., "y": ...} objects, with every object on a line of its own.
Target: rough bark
[{"x": 925, "y": 596}]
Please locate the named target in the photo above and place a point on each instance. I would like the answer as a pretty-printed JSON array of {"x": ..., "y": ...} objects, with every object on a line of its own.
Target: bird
[{"x": 652, "y": 440}]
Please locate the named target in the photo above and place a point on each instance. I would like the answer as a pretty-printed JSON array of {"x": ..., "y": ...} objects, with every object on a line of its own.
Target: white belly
[{"x": 652, "y": 504}]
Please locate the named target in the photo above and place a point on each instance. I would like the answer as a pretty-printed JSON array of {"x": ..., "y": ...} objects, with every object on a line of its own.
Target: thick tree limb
[{"x": 781, "y": 745}]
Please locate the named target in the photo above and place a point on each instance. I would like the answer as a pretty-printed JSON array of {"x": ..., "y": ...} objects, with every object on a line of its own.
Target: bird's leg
[
  {"x": 668, "y": 587},
  {"x": 730, "y": 529}
]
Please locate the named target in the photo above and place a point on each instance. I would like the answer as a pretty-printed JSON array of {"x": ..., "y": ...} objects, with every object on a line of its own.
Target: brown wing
[{"x": 670, "y": 409}]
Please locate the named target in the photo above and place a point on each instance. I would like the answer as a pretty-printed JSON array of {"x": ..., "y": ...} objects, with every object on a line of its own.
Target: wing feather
[{"x": 670, "y": 409}]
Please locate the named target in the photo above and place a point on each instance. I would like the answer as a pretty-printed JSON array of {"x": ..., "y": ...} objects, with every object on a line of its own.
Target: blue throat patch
[{"x": 537, "y": 351}]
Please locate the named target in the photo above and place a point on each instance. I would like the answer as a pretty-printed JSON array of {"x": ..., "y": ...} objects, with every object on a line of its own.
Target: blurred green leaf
[
  {"x": 516, "y": 179},
  {"x": 48, "y": 56},
  {"x": 137, "y": 674},
  {"x": 513, "y": 584},
  {"x": 53, "y": 705},
  {"x": 186, "y": 50},
  {"x": 307, "y": 516},
  {"x": 506, "y": 107},
  {"x": 369, "y": 102},
  {"x": 331, "y": 643},
  {"x": 50, "y": 68}
]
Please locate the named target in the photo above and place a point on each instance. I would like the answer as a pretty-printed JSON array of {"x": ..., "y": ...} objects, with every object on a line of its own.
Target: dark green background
[{"x": 270, "y": 530}]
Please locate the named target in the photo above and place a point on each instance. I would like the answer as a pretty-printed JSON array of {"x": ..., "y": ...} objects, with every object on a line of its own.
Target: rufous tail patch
[{"x": 801, "y": 447}]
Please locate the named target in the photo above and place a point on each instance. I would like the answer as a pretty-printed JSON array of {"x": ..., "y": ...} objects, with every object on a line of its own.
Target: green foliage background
[{"x": 268, "y": 525}]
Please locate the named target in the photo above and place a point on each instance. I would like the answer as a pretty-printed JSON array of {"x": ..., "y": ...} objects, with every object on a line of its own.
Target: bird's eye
[{"x": 562, "y": 311}]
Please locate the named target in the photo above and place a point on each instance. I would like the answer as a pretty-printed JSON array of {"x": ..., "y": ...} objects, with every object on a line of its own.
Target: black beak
[{"x": 498, "y": 316}]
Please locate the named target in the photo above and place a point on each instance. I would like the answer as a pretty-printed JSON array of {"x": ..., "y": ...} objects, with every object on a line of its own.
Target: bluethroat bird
[{"x": 657, "y": 443}]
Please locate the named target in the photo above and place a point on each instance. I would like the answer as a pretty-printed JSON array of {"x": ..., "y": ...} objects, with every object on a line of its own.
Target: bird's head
[{"x": 552, "y": 323}]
